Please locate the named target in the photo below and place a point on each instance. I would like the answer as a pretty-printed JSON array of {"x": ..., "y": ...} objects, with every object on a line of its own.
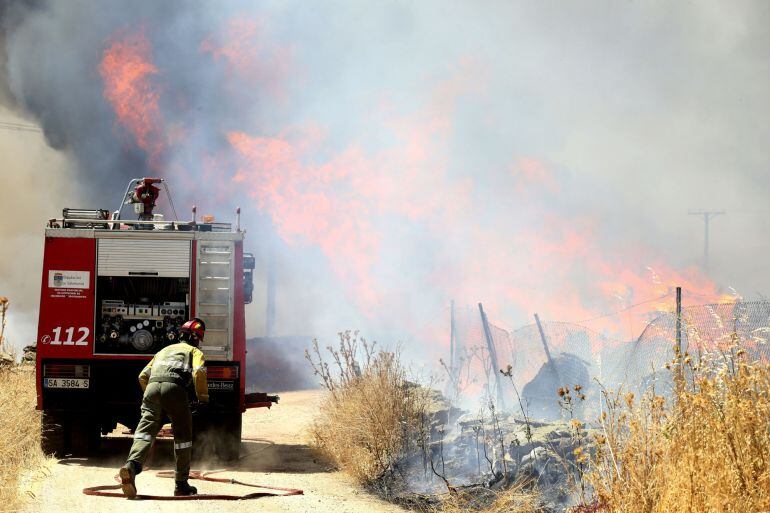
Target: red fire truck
[{"x": 114, "y": 292}]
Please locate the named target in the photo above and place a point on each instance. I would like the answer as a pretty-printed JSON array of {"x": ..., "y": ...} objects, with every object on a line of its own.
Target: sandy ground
[{"x": 281, "y": 458}]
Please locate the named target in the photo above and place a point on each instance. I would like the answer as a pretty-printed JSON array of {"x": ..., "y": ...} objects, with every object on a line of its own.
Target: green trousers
[{"x": 160, "y": 399}]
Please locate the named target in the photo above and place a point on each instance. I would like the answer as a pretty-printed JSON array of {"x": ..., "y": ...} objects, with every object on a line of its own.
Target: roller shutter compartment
[{"x": 161, "y": 258}]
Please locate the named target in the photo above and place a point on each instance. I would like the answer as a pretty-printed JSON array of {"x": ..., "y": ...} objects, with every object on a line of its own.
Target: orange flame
[
  {"x": 128, "y": 71},
  {"x": 552, "y": 263},
  {"x": 339, "y": 204},
  {"x": 559, "y": 266},
  {"x": 297, "y": 197}
]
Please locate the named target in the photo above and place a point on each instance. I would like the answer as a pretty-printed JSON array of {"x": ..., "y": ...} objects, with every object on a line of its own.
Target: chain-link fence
[
  {"x": 568, "y": 354},
  {"x": 716, "y": 330}
]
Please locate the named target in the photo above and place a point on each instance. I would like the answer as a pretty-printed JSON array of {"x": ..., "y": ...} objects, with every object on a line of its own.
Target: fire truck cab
[{"x": 113, "y": 293}]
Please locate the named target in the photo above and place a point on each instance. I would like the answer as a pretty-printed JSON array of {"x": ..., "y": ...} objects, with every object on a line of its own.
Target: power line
[{"x": 19, "y": 127}]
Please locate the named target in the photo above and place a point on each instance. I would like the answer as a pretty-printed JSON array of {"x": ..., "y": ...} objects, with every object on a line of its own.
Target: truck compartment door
[
  {"x": 214, "y": 297},
  {"x": 161, "y": 258}
]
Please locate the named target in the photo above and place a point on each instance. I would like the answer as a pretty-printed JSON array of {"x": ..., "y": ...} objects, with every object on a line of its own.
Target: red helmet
[{"x": 193, "y": 330}]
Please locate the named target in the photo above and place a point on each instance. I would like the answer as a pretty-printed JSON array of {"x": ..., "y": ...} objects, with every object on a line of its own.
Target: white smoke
[
  {"x": 34, "y": 180},
  {"x": 642, "y": 109}
]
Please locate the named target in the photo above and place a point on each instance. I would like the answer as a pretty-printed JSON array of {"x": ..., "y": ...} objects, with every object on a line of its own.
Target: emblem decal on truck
[{"x": 69, "y": 279}]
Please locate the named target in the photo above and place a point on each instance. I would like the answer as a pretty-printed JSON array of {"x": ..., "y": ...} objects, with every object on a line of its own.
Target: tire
[
  {"x": 86, "y": 437},
  {"x": 228, "y": 439},
  {"x": 52, "y": 434}
]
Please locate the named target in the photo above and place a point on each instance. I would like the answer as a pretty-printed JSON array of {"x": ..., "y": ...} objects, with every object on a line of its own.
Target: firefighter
[{"x": 166, "y": 381}]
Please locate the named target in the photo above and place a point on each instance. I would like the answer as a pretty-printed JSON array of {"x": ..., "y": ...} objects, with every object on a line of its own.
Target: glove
[{"x": 199, "y": 408}]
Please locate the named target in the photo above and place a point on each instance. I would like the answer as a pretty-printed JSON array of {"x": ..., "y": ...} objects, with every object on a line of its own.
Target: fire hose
[{"x": 272, "y": 491}]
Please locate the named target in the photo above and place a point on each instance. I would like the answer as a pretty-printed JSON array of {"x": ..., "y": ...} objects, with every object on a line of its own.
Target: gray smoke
[
  {"x": 641, "y": 110},
  {"x": 53, "y": 54}
]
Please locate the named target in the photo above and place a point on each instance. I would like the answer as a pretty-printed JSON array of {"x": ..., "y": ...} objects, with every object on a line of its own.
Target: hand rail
[{"x": 95, "y": 223}]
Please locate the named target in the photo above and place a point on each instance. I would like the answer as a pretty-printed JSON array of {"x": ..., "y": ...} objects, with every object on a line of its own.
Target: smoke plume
[{"x": 394, "y": 156}]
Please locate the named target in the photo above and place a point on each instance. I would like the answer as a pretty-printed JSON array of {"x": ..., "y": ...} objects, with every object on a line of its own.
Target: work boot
[
  {"x": 127, "y": 474},
  {"x": 182, "y": 488}
]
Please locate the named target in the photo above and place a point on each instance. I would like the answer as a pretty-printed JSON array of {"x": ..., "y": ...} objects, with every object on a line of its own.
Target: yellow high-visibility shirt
[{"x": 173, "y": 359}]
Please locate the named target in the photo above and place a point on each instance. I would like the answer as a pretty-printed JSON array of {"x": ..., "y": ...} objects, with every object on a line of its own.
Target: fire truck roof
[{"x": 98, "y": 224}]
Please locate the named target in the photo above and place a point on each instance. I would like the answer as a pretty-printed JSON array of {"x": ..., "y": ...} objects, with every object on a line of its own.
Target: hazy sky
[{"x": 633, "y": 112}]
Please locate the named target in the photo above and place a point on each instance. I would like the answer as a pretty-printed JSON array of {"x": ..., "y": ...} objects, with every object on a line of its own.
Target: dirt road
[{"x": 281, "y": 459}]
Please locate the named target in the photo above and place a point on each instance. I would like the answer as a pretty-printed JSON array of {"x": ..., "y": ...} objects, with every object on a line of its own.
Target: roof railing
[{"x": 91, "y": 223}]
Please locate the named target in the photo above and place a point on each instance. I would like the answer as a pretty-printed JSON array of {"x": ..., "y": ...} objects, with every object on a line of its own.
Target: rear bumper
[{"x": 260, "y": 400}]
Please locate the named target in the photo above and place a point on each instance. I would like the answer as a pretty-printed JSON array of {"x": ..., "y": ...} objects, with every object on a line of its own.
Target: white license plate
[{"x": 65, "y": 383}]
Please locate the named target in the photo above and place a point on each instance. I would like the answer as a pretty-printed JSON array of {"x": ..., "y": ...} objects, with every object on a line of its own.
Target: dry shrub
[
  {"x": 371, "y": 418},
  {"x": 708, "y": 450},
  {"x": 5, "y": 304},
  {"x": 20, "y": 453}
]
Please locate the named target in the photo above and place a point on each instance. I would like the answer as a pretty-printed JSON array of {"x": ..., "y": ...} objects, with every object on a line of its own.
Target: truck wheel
[
  {"x": 52, "y": 439},
  {"x": 228, "y": 439},
  {"x": 86, "y": 437}
]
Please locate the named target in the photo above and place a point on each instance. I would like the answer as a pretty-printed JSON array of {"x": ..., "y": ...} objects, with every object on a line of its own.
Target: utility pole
[
  {"x": 707, "y": 215},
  {"x": 452, "y": 340},
  {"x": 270, "y": 299}
]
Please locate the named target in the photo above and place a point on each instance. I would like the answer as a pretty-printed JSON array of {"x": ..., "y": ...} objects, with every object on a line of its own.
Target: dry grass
[
  {"x": 707, "y": 449},
  {"x": 515, "y": 499},
  {"x": 20, "y": 453},
  {"x": 372, "y": 416}
]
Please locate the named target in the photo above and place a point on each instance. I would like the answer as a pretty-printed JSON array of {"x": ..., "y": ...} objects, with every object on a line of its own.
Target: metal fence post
[{"x": 493, "y": 357}]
